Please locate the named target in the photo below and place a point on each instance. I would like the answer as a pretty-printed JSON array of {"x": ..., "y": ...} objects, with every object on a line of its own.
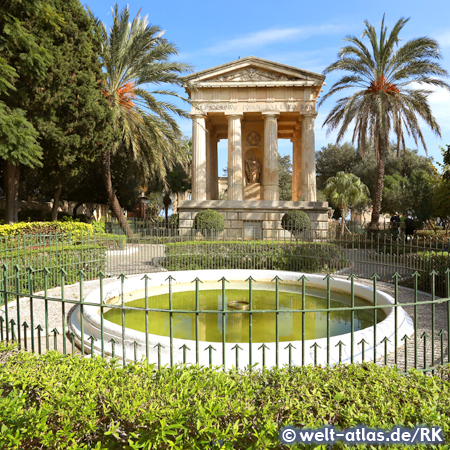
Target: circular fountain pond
[{"x": 236, "y": 322}]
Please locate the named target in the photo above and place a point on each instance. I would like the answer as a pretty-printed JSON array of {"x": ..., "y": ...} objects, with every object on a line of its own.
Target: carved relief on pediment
[{"x": 253, "y": 74}]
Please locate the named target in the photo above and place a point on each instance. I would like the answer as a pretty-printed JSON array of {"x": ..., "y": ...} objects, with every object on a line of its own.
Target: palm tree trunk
[
  {"x": 12, "y": 191},
  {"x": 379, "y": 184},
  {"x": 56, "y": 203},
  {"x": 343, "y": 216},
  {"x": 113, "y": 201}
]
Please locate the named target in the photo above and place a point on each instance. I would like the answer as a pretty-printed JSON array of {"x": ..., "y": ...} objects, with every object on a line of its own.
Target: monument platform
[{"x": 254, "y": 219}]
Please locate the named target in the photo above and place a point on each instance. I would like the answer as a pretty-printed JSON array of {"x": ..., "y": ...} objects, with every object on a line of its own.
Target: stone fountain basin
[{"x": 134, "y": 287}]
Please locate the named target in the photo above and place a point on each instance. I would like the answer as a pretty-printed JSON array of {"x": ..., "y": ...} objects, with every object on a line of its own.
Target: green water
[{"x": 237, "y": 324}]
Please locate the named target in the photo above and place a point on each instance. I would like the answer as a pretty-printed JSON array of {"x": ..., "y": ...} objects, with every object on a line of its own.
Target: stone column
[
  {"x": 308, "y": 158},
  {"x": 270, "y": 167},
  {"x": 296, "y": 163},
  {"x": 208, "y": 161},
  {"x": 214, "y": 168},
  {"x": 235, "y": 174},
  {"x": 198, "y": 157}
]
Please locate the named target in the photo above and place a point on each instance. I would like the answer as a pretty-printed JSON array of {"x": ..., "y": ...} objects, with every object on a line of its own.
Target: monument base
[
  {"x": 253, "y": 192},
  {"x": 254, "y": 219}
]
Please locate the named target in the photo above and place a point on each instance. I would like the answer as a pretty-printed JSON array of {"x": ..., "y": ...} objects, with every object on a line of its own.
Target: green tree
[
  {"x": 74, "y": 120},
  {"x": 385, "y": 100},
  {"x": 394, "y": 194},
  {"x": 332, "y": 159},
  {"x": 285, "y": 178},
  {"x": 135, "y": 56},
  {"x": 343, "y": 190},
  {"x": 23, "y": 65}
]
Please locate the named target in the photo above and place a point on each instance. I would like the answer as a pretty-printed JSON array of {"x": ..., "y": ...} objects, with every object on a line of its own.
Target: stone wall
[{"x": 254, "y": 219}]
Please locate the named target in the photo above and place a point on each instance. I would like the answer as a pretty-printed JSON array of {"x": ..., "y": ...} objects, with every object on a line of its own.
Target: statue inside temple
[{"x": 252, "y": 170}]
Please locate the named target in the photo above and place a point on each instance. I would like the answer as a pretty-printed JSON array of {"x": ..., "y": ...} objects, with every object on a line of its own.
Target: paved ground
[{"x": 140, "y": 258}]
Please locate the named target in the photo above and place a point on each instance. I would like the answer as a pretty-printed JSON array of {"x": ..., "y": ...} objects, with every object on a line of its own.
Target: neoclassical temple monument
[{"x": 253, "y": 102}]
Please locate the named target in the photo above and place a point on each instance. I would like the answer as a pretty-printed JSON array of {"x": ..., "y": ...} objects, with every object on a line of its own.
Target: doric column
[
  {"x": 296, "y": 164},
  {"x": 270, "y": 168},
  {"x": 214, "y": 168},
  {"x": 235, "y": 179},
  {"x": 208, "y": 161},
  {"x": 308, "y": 158},
  {"x": 198, "y": 157}
]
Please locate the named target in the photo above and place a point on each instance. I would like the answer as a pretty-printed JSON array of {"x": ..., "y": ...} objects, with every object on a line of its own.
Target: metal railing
[
  {"x": 31, "y": 266},
  {"x": 163, "y": 248},
  {"x": 38, "y": 322}
]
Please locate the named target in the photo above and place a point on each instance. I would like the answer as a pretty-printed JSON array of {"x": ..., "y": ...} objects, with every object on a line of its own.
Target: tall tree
[
  {"x": 23, "y": 65},
  {"x": 135, "y": 56},
  {"x": 343, "y": 190},
  {"x": 74, "y": 118},
  {"x": 62, "y": 100},
  {"x": 385, "y": 99}
]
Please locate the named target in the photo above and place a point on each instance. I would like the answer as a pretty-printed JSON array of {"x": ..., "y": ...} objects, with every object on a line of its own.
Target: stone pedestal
[
  {"x": 253, "y": 192},
  {"x": 241, "y": 217}
]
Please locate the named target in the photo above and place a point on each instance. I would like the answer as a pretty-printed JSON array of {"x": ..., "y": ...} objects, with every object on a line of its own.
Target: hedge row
[
  {"x": 91, "y": 258},
  {"x": 270, "y": 255},
  {"x": 29, "y": 228},
  {"x": 57, "y": 402}
]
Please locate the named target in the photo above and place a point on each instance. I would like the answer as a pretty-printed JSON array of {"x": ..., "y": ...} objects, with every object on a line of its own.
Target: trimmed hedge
[
  {"x": 209, "y": 220},
  {"x": 29, "y": 228},
  {"x": 91, "y": 258},
  {"x": 58, "y": 402},
  {"x": 296, "y": 222},
  {"x": 427, "y": 262},
  {"x": 270, "y": 255}
]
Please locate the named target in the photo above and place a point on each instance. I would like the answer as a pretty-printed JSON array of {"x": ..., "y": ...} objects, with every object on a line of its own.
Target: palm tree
[
  {"x": 343, "y": 190},
  {"x": 134, "y": 56},
  {"x": 385, "y": 98}
]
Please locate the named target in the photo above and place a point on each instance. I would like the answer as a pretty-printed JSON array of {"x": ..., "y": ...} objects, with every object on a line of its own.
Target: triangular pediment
[{"x": 252, "y": 69}]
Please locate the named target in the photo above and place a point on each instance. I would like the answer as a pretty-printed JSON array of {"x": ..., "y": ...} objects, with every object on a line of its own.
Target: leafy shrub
[
  {"x": 427, "y": 262},
  {"x": 296, "y": 222},
  {"x": 28, "y": 228},
  {"x": 90, "y": 258},
  {"x": 432, "y": 234},
  {"x": 56, "y": 402},
  {"x": 209, "y": 220},
  {"x": 270, "y": 255}
]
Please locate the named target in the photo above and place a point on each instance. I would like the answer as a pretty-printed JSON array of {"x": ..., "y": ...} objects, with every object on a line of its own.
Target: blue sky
[{"x": 304, "y": 34}]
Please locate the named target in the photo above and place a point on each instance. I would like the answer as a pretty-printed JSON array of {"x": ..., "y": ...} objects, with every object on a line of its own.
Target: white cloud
[{"x": 265, "y": 37}]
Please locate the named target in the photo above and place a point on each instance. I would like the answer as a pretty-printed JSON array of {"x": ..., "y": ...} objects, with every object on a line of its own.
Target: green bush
[
  {"x": 270, "y": 255},
  {"x": 58, "y": 402},
  {"x": 28, "y": 228},
  {"x": 209, "y": 220},
  {"x": 296, "y": 222},
  {"x": 90, "y": 258}
]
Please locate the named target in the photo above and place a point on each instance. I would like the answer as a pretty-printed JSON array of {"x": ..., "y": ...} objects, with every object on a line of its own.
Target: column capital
[
  {"x": 232, "y": 114},
  {"x": 197, "y": 114},
  {"x": 270, "y": 113},
  {"x": 309, "y": 114}
]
